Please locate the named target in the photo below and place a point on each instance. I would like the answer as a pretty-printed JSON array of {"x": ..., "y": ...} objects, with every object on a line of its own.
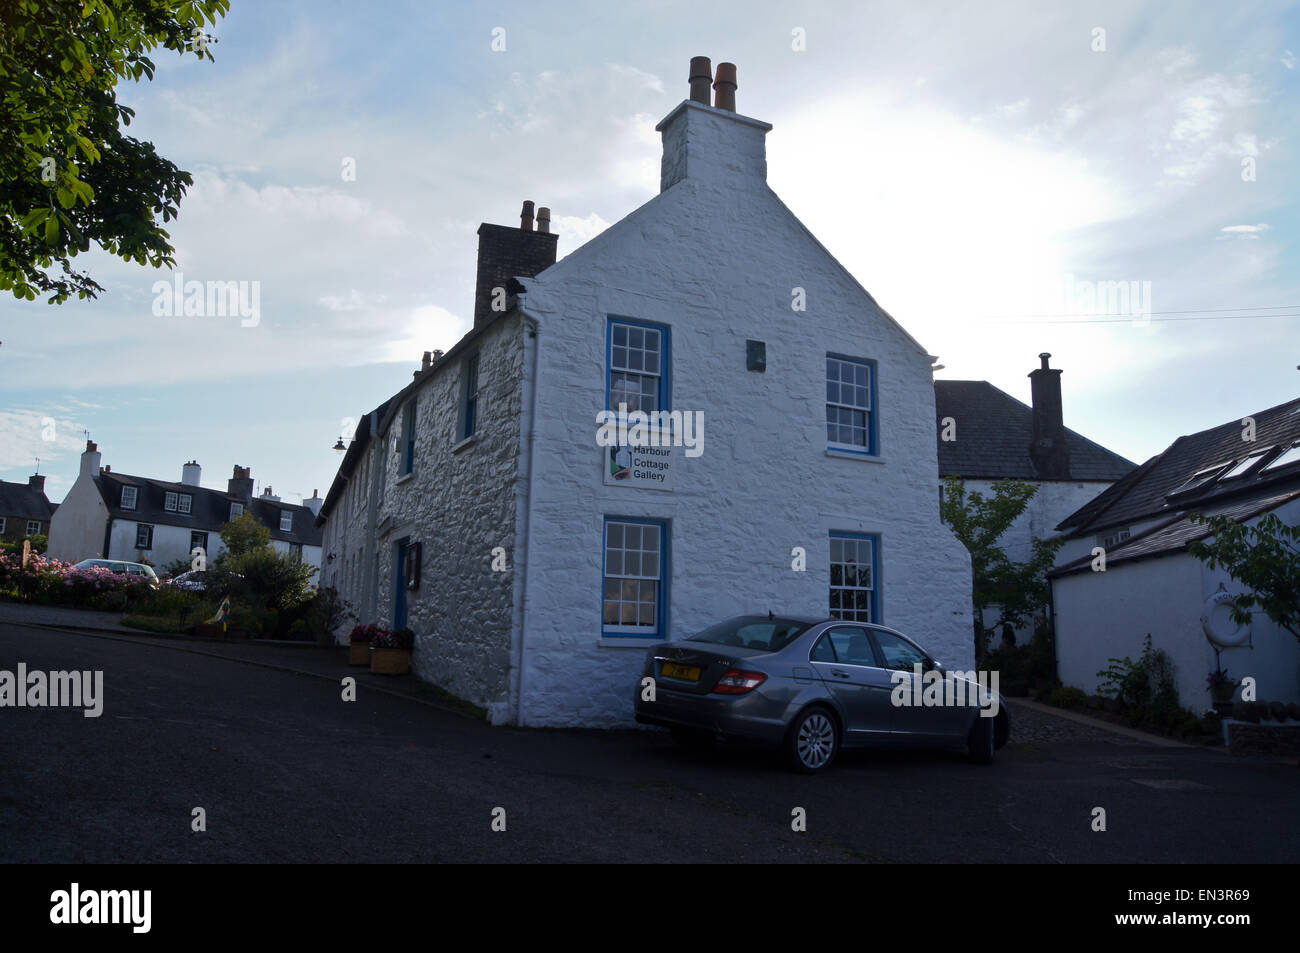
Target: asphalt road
[{"x": 288, "y": 772}]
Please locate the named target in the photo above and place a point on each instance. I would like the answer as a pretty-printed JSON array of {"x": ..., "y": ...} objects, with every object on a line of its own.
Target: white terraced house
[{"x": 535, "y": 565}]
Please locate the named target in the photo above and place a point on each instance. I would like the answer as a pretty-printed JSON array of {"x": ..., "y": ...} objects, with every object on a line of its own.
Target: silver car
[{"x": 814, "y": 686}]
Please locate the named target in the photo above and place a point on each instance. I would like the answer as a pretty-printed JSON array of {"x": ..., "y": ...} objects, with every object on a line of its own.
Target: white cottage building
[
  {"x": 536, "y": 565},
  {"x": 986, "y": 435},
  {"x": 1149, "y": 583}
]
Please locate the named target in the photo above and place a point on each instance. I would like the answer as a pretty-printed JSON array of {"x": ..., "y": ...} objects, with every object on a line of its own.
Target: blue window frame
[
  {"x": 408, "y": 438},
  {"x": 851, "y": 404},
  {"x": 637, "y": 365},
  {"x": 635, "y": 571},
  {"x": 854, "y": 582},
  {"x": 469, "y": 401}
]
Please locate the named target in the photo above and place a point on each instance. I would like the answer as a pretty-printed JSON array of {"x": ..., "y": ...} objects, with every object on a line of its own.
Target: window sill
[
  {"x": 403, "y": 478},
  {"x": 629, "y": 641},
  {"x": 850, "y": 455},
  {"x": 457, "y": 448}
]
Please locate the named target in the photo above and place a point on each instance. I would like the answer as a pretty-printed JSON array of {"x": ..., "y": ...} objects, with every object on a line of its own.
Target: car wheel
[
  {"x": 813, "y": 741},
  {"x": 692, "y": 738},
  {"x": 981, "y": 743}
]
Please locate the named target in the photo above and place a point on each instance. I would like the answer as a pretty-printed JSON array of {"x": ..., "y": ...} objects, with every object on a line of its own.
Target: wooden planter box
[
  {"x": 358, "y": 653},
  {"x": 390, "y": 661}
]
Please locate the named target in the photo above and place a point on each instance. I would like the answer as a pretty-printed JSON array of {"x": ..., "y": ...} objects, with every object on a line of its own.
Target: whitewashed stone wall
[
  {"x": 460, "y": 503},
  {"x": 715, "y": 257}
]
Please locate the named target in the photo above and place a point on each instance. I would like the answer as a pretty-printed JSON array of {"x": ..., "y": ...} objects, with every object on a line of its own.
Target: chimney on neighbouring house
[
  {"x": 241, "y": 484},
  {"x": 701, "y": 79},
  {"x": 37, "y": 482},
  {"x": 190, "y": 473},
  {"x": 90, "y": 460},
  {"x": 714, "y": 143},
  {"x": 1048, "y": 448},
  {"x": 314, "y": 503},
  {"x": 505, "y": 253},
  {"x": 724, "y": 87},
  {"x": 269, "y": 496}
]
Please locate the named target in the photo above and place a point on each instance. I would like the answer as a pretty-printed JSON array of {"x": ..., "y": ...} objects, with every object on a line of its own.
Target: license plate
[{"x": 689, "y": 673}]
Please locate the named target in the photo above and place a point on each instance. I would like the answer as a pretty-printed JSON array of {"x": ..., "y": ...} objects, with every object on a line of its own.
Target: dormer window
[
  {"x": 286, "y": 521},
  {"x": 236, "y": 509},
  {"x": 1201, "y": 478},
  {"x": 178, "y": 502},
  {"x": 1289, "y": 456},
  {"x": 1240, "y": 469},
  {"x": 129, "y": 497}
]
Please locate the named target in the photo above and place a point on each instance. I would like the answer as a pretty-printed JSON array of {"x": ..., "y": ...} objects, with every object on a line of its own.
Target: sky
[{"x": 978, "y": 167}]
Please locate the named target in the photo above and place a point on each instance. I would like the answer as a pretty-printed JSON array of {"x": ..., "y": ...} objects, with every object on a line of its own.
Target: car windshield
[{"x": 753, "y": 632}]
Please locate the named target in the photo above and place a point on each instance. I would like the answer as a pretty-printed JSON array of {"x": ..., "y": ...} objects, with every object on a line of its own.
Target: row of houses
[
  {"x": 481, "y": 507},
  {"x": 119, "y": 516}
]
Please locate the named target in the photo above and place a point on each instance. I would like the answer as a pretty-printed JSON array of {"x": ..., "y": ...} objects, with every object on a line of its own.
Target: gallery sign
[
  {"x": 645, "y": 449},
  {"x": 650, "y": 468}
]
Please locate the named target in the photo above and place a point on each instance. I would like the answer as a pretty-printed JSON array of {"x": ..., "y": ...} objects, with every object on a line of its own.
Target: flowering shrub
[
  {"x": 385, "y": 639},
  {"x": 52, "y": 582}
]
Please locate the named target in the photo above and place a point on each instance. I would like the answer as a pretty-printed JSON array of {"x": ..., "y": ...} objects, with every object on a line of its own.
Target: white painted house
[
  {"x": 118, "y": 516},
  {"x": 986, "y": 435},
  {"x": 1150, "y": 582},
  {"x": 535, "y": 565}
]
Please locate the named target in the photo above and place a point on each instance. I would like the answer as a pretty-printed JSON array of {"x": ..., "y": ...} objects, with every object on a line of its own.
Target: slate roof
[
  {"x": 994, "y": 431},
  {"x": 1174, "y": 534},
  {"x": 209, "y": 511},
  {"x": 21, "y": 501},
  {"x": 360, "y": 440},
  {"x": 1157, "y": 488}
]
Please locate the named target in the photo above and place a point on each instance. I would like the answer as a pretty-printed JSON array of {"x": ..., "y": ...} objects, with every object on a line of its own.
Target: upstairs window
[
  {"x": 850, "y": 416},
  {"x": 408, "y": 438},
  {"x": 129, "y": 496},
  {"x": 637, "y": 368},
  {"x": 469, "y": 401},
  {"x": 286, "y": 521},
  {"x": 178, "y": 502},
  {"x": 236, "y": 509},
  {"x": 185, "y": 504}
]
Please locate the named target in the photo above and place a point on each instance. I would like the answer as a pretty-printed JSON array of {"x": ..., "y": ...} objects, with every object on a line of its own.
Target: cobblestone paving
[{"x": 1032, "y": 727}]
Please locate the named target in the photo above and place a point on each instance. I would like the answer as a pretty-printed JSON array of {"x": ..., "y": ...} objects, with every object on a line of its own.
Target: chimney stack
[
  {"x": 269, "y": 496},
  {"x": 724, "y": 87},
  {"x": 241, "y": 484},
  {"x": 90, "y": 460},
  {"x": 505, "y": 253},
  {"x": 544, "y": 220},
  {"x": 314, "y": 503},
  {"x": 37, "y": 482},
  {"x": 701, "y": 79},
  {"x": 425, "y": 360},
  {"x": 1048, "y": 448},
  {"x": 190, "y": 473}
]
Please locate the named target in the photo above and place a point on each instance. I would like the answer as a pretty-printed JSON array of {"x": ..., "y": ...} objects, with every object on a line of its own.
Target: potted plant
[
  {"x": 390, "y": 652},
  {"x": 1222, "y": 688},
  {"x": 359, "y": 644}
]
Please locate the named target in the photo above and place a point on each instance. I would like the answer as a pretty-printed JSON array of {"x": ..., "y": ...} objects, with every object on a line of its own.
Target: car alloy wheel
[{"x": 814, "y": 741}]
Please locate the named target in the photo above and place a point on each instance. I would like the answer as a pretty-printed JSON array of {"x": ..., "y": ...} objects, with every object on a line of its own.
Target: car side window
[
  {"x": 899, "y": 653},
  {"x": 118, "y": 567},
  {"x": 823, "y": 651},
  {"x": 852, "y": 647}
]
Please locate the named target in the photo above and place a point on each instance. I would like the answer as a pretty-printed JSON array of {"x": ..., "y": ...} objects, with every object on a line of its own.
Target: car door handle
[{"x": 838, "y": 674}]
